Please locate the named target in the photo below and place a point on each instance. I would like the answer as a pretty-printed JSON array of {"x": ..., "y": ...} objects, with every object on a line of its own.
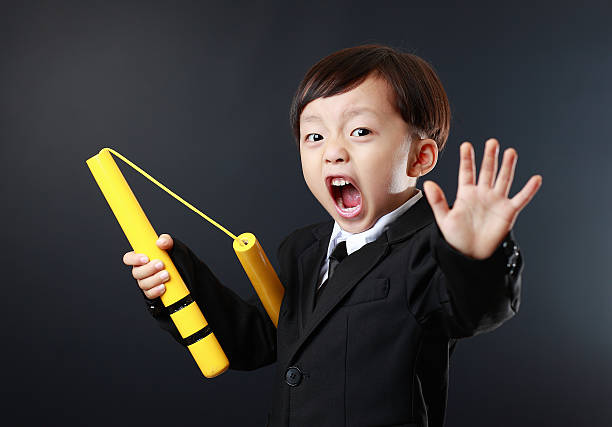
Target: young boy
[{"x": 375, "y": 299}]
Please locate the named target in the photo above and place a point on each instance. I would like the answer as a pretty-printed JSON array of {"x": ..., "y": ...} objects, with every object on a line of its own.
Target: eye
[
  {"x": 361, "y": 132},
  {"x": 313, "y": 137}
]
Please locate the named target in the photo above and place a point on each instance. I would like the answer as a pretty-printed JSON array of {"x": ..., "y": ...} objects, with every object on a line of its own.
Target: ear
[{"x": 423, "y": 157}]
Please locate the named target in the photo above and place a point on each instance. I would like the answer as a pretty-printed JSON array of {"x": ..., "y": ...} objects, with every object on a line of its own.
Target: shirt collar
[{"x": 355, "y": 241}]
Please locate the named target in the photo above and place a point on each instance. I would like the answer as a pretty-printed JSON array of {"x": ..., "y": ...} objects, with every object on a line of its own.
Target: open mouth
[{"x": 346, "y": 196}]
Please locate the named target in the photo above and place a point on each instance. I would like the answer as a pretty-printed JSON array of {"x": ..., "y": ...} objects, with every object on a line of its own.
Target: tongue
[{"x": 350, "y": 196}]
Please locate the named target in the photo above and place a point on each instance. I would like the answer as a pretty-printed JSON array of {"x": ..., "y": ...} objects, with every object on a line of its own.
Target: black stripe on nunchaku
[
  {"x": 180, "y": 304},
  {"x": 196, "y": 336}
]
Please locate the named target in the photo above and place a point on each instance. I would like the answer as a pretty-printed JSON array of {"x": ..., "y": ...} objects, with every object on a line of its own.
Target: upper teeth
[{"x": 339, "y": 182}]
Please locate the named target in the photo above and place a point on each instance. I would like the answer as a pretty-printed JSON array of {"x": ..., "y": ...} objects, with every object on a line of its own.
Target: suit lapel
[
  {"x": 350, "y": 271},
  {"x": 309, "y": 267}
]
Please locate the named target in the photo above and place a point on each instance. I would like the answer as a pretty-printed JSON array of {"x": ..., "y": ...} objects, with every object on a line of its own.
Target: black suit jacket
[{"x": 374, "y": 350}]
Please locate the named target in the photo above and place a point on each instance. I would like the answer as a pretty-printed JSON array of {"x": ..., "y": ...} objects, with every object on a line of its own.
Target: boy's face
[{"x": 355, "y": 152}]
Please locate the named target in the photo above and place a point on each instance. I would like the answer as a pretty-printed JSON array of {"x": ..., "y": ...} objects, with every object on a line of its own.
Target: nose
[{"x": 335, "y": 151}]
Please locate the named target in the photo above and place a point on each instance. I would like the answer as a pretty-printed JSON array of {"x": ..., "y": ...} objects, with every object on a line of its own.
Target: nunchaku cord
[{"x": 177, "y": 197}]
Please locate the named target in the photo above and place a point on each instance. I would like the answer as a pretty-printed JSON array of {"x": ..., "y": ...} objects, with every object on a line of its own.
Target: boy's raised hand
[{"x": 482, "y": 214}]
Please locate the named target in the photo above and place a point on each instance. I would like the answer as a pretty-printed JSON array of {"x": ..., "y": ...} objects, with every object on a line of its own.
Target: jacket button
[{"x": 293, "y": 376}]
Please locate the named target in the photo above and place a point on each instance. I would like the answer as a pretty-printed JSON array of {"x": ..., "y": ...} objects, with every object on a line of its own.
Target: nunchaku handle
[
  {"x": 261, "y": 274},
  {"x": 185, "y": 313}
]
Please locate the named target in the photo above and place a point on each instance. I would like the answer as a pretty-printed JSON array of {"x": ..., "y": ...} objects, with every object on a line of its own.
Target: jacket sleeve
[
  {"x": 466, "y": 296},
  {"x": 243, "y": 328}
]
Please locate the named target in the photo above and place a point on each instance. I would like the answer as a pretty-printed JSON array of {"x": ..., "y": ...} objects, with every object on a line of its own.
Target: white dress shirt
[{"x": 354, "y": 241}]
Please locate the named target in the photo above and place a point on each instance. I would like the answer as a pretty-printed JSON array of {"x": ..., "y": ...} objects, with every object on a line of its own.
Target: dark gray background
[{"x": 197, "y": 94}]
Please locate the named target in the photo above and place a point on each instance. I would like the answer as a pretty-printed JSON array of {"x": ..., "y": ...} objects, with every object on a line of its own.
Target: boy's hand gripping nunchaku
[{"x": 188, "y": 318}]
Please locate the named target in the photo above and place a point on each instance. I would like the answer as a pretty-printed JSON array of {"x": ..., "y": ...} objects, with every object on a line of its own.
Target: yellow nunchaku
[{"x": 186, "y": 315}]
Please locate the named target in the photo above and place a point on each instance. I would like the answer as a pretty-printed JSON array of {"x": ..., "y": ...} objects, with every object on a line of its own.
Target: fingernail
[
  {"x": 159, "y": 265},
  {"x": 160, "y": 240},
  {"x": 161, "y": 287},
  {"x": 144, "y": 259},
  {"x": 164, "y": 274}
]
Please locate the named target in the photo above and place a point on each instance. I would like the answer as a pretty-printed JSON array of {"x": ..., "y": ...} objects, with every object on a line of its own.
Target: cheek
[
  {"x": 311, "y": 176},
  {"x": 398, "y": 182},
  {"x": 309, "y": 183},
  {"x": 399, "y": 179},
  {"x": 386, "y": 174},
  {"x": 306, "y": 174}
]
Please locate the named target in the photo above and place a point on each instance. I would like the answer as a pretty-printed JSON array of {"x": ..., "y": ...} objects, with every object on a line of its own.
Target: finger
[
  {"x": 467, "y": 167},
  {"x": 132, "y": 258},
  {"x": 165, "y": 242},
  {"x": 488, "y": 168},
  {"x": 437, "y": 200},
  {"x": 155, "y": 292},
  {"x": 506, "y": 173},
  {"x": 153, "y": 281},
  {"x": 148, "y": 269},
  {"x": 520, "y": 200}
]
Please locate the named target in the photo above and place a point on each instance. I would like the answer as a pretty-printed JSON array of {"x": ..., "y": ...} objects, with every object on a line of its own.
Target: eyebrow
[
  {"x": 351, "y": 112},
  {"x": 310, "y": 118}
]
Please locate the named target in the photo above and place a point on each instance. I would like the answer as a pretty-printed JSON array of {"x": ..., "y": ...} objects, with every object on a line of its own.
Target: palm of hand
[{"x": 482, "y": 214}]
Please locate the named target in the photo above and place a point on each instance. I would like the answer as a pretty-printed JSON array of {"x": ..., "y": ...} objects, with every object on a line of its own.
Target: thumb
[
  {"x": 165, "y": 242},
  {"x": 437, "y": 200}
]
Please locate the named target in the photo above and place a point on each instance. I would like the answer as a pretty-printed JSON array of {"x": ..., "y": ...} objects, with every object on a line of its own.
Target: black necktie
[{"x": 336, "y": 257}]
